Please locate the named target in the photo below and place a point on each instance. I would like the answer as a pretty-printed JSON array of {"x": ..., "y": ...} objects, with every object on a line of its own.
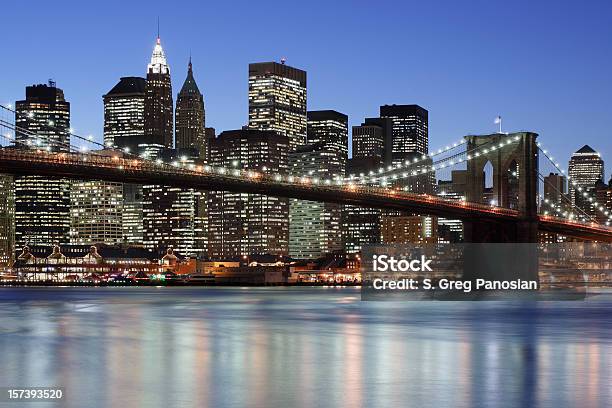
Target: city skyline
[{"x": 440, "y": 83}]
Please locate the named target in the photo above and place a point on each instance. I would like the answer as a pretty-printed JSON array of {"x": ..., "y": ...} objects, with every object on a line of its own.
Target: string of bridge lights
[
  {"x": 408, "y": 163},
  {"x": 448, "y": 162},
  {"x": 306, "y": 180},
  {"x": 603, "y": 210},
  {"x": 372, "y": 177}
]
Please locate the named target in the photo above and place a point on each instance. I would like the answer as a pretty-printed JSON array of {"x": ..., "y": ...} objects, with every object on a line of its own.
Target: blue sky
[{"x": 545, "y": 66}]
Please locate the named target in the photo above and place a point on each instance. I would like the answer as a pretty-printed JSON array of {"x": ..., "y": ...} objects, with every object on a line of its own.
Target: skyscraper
[
  {"x": 555, "y": 189},
  {"x": 410, "y": 130},
  {"x": 169, "y": 213},
  {"x": 158, "y": 112},
  {"x": 315, "y": 227},
  {"x": 330, "y": 129},
  {"x": 371, "y": 140},
  {"x": 191, "y": 140},
  {"x": 277, "y": 100},
  {"x": 172, "y": 216},
  {"x": 42, "y": 205},
  {"x": 7, "y": 219},
  {"x": 124, "y": 113},
  {"x": 96, "y": 212},
  {"x": 248, "y": 224},
  {"x": 410, "y": 140},
  {"x": 190, "y": 116},
  {"x": 585, "y": 169}
]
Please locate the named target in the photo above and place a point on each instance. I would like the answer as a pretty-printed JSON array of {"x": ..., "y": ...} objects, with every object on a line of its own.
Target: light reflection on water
[{"x": 302, "y": 347}]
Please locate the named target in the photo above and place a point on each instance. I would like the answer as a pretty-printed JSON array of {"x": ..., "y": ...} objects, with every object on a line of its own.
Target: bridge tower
[{"x": 515, "y": 186}]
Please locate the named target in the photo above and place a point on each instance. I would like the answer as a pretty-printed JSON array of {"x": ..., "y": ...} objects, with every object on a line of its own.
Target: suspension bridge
[{"x": 512, "y": 210}]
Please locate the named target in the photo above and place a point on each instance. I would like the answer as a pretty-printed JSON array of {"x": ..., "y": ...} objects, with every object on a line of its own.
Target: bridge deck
[{"x": 128, "y": 170}]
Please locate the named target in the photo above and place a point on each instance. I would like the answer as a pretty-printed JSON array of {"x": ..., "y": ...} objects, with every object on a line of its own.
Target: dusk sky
[{"x": 544, "y": 66}]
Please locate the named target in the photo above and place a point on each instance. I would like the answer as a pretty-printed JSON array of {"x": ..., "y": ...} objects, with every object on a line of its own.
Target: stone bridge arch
[{"x": 515, "y": 183}]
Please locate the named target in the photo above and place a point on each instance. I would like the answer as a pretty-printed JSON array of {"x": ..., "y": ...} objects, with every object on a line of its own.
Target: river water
[{"x": 300, "y": 347}]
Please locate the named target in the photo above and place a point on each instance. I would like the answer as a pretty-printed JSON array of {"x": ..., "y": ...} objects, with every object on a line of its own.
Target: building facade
[
  {"x": 277, "y": 100},
  {"x": 42, "y": 205},
  {"x": 158, "y": 108},
  {"x": 586, "y": 168},
  {"x": 360, "y": 225},
  {"x": 96, "y": 209},
  {"x": 124, "y": 127},
  {"x": 329, "y": 129},
  {"x": 410, "y": 130},
  {"x": 7, "y": 219},
  {"x": 248, "y": 224},
  {"x": 555, "y": 190},
  {"x": 190, "y": 118},
  {"x": 373, "y": 139},
  {"x": 124, "y": 113},
  {"x": 315, "y": 227}
]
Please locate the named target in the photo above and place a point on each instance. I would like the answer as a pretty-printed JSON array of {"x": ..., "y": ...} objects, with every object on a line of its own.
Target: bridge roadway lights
[{"x": 483, "y": 223}]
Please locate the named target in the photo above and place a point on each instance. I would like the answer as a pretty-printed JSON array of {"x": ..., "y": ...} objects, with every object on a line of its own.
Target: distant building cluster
[{"x": 282, "y": 136}]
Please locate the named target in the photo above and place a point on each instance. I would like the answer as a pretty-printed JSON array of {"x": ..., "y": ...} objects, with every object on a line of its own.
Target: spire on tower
[{"x": 158, "y": 64}]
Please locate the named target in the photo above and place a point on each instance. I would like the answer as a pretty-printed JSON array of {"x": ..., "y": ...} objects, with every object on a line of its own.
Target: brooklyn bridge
[{"x": 513, "y": 215}]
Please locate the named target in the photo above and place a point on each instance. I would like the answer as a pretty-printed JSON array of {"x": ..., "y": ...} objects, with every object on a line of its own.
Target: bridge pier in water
[{"x": 515, "y": 186}]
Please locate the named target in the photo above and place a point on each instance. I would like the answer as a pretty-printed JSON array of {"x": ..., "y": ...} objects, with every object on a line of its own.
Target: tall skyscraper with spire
[
  {"x": 158, "y": 109},
  {"x": 190, "y": 116}
]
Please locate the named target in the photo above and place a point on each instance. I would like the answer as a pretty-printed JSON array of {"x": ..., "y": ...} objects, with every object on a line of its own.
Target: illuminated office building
[
  {"x": 124, "y": 107},
  {"x": 414, "y": 229},
  {"x": 373, "y": 139},
  {"x": 585, "y": 169},
  {"x": 132, "y": 215},
  {"x": 410, "y": 140},
  {"x": 329, "y": 129},
  {"x": 360, "y": 225},
  {"x": 158, "y": 110},
  {"x": 277, "y": 100},
  {"x": 190, "y": 116},
  {"x": 409, "y": 129},
  {"x": 248, "y": 224},
  {"x": 96, "y": 209},
  {"x": 315, "y": 227},
  {"x": 42, "y": 205},
  {"x": 171, "y": 215},
  {"x": 191, "y": 135},
  {"x": 124, "y": 113},
  {"x": 7, "y": 219}
]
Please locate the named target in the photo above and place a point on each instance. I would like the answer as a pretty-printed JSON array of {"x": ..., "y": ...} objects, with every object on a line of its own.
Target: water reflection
[{"x": 270, "y": 347}]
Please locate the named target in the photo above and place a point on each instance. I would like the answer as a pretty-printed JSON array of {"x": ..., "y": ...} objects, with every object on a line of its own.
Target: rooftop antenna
[{"x": 157, "y": 27}]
